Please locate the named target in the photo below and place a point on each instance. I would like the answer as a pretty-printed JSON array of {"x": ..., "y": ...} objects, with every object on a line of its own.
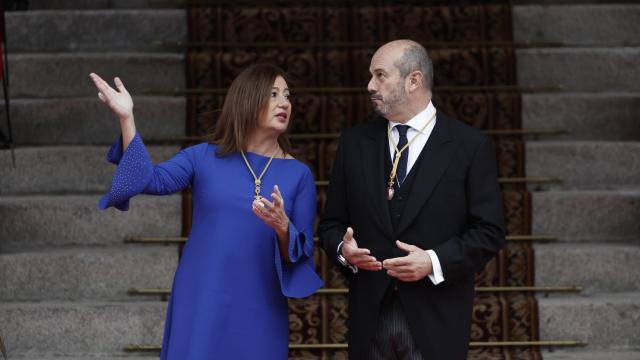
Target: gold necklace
[
  {"x": 258, "y": 180},
  {"x": 396, "y": 161}
]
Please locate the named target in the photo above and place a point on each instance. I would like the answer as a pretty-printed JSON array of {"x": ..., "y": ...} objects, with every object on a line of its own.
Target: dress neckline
[{"x": 266, "y": 157}]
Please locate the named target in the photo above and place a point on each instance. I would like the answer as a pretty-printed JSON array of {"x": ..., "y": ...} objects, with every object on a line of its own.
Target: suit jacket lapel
[
  {"x": 372, "y": 155},
  {"x": 437, "y": 154}
]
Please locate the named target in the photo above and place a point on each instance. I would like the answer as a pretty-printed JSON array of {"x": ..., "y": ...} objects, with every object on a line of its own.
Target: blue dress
[{"x": 229, "y": 296}]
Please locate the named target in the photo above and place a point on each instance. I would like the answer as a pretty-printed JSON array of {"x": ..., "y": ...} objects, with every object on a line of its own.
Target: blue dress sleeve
[
  {"x": 298, "y": 277},
  {"x": 135, "y": 174}
]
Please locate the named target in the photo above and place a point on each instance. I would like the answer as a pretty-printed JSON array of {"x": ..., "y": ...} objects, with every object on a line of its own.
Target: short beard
[{"x": 396, "y": 98}]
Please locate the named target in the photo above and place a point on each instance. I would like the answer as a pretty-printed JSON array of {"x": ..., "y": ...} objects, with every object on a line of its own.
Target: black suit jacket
[{"x": 454, "y": 208}]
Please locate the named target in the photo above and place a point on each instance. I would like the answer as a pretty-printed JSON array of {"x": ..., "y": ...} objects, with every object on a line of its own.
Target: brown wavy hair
[{"x": 246, "y": 101}]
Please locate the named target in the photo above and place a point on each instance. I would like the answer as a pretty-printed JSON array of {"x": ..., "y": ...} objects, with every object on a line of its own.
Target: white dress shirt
[
  {"x": 415, "y": 148},
  {"x": 415, "y": 124}
]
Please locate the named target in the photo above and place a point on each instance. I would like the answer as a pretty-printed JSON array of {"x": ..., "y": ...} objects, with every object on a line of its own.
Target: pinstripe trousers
[{"x": 393, "y": 340}]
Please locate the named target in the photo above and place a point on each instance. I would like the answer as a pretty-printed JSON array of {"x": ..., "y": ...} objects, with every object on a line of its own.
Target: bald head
[
  {"x": 401, "y": 77},
  {"x": 407, "y": 56}
]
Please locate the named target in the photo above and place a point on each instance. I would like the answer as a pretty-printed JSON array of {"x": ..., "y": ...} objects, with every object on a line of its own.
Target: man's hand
[
  {"x": 358, "y": 256},
  {"x": 413, "y": 267}
]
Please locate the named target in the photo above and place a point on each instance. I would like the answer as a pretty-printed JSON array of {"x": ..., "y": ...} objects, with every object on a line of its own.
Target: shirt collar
[{"x": 417, "y": 122}]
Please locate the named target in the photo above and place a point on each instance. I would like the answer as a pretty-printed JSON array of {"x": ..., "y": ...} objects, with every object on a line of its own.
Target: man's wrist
[
  {"x": 428, "y": 259},
  {"x": 343, "y": 261}
]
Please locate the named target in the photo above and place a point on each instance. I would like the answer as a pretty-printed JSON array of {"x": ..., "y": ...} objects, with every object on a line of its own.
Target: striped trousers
[{"x": 393, "y": 340}]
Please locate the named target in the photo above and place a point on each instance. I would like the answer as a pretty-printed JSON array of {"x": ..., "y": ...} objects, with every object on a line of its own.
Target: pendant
[
  {"x": 390, "y": 192},
  {"x": 257, "y": 195}
]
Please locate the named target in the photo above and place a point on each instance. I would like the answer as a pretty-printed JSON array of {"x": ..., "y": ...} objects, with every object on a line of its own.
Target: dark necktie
[{"x": 401, "y": 172}]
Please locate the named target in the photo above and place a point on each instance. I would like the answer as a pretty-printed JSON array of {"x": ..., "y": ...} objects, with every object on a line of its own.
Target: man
[{"x": 413, "y": 212}]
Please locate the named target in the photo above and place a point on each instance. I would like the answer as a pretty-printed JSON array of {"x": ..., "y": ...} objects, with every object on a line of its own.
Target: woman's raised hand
[
  {"x": 273, "y": 214},
  {"x": 119, "y": 101}
]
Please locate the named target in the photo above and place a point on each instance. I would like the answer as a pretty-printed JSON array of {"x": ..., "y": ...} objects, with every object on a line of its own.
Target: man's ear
[{"x": 414, "y": 81}]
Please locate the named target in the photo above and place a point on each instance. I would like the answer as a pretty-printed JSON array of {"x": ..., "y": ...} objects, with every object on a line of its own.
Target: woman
[{"x": 248, "y": 249}]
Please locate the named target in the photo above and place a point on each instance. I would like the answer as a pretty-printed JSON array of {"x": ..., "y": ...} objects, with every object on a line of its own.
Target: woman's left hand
[{"x": 273, "y": 213}]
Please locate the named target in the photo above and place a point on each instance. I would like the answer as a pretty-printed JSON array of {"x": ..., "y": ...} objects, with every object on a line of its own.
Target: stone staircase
[
  {"x": 595, "y": 210},
  {"x": 64, "y": 266},
  {"x": 65, "y": 270}
]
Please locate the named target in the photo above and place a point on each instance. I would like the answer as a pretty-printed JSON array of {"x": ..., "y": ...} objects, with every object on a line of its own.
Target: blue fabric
[{"x": 229, "y": 296}]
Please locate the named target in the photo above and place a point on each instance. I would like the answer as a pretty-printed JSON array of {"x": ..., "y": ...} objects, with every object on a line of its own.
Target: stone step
[
  {"x": 547, "y": 355},
  {"x": 95, "y": 30},
  {"x": 581, "y": 69},
  {"x": 80, "y": 328},
  {"x": 604, "y": 268},
  {"x": 104, "y": 4},
  {"x": 88, "y": 356},
  {"x": 88, "y": 121},
  {"x": 36, "y": 222},
  {"x": 583, "y": 354},
  {"x": 85, "y": 273},
  {"x": 586, "y": 164},
  {"x": 556, "y": 2},
  {"x": 142, "y": 4},
  {"x": 590, "y": 116},
  {"x": 586, "y": 116},
  {"x": 584, "y": 24},
  {"x": 605, "y": 321},
  {"x": 63, "y": 169},
  {"x": 587, "y": 215},
  {"x": 67, "y": 75}
]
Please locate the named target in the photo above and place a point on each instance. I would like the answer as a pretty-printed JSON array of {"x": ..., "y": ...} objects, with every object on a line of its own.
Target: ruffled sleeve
[
  {"x": 298, "y": 277},
  {"x": 135, "y": 174}
]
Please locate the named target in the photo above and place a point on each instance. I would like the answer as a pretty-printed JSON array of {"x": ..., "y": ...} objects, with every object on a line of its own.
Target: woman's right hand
[{"x": 119, "y": 101}]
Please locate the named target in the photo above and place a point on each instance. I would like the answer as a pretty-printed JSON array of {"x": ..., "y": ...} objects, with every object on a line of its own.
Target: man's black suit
[{"x": 453, "y": 208}]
